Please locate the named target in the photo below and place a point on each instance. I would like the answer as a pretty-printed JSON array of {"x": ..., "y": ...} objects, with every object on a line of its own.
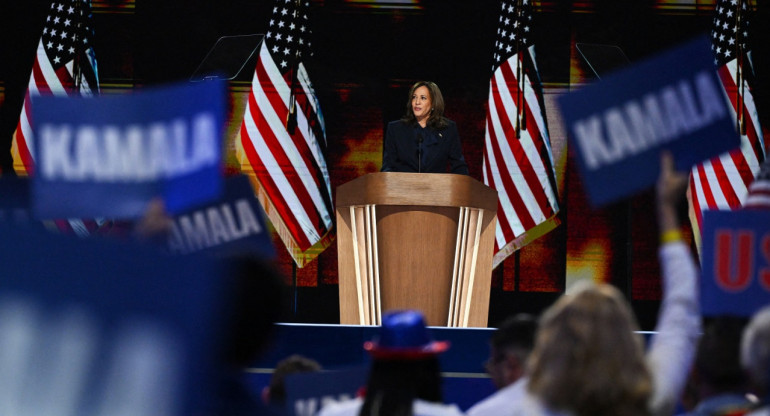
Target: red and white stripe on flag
[
  {"x": 723, "y": 182},
  {"x": 519, "y": 168},
  {"x": 288, "y": 170},
  {"x": 64, "y": 66},
  {"x": 45, "y": 80},
  {"x": 759, "y": 190}
]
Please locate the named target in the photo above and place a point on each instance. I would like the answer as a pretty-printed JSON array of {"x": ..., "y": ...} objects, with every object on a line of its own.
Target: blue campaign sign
[
  {"x": 231, "y": 225},
  {"x": 15, "y": 200},
  {"x": 95, "y": 327},
  {"x": 109, "y": 156},
  {"x": 735, "y": 262},
  {"x": 307, "y": 393},
  {"x": 619, "y": 126}
]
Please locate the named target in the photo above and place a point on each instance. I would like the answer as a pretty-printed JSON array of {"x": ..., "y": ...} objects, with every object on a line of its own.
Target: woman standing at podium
[{"x": 423, "y": 140}]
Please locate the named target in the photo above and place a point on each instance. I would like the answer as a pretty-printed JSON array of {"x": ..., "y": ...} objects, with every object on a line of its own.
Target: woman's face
[{"x": 421, "y": 103}]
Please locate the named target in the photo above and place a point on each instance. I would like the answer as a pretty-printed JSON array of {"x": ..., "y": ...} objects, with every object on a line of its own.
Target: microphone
[{"x": 419, "y": 152}]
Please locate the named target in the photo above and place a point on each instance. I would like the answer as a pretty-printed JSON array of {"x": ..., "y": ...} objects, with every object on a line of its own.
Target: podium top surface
[{"x": 420, "y": 189}]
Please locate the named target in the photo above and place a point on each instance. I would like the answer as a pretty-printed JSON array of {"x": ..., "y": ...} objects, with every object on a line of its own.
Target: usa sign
[{"x": 735, "y": 262}]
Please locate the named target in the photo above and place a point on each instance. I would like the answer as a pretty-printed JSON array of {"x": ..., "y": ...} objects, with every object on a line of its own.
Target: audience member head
[
  {"x": 256, "y": 303},
  {"x": 405, "y": 365},
  {"x": 587, "y": 359},
  {"x": 510, "y": 346},
  {"x": 156, "y": 224},
  {"x": 253, "y": 304},
  {"x": 717, "y": 366},
  {"x": 755, "y": 352},
  {"x": 275, "y": 393}
]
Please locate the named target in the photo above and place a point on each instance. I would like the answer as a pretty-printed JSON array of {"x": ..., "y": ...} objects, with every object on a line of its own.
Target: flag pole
[
  {"x": 291, "y": 119},
  {"x": 76, "y": 61},
  {"x": 520, "y": 113},
  {"x": 739, "y": 70},
  {"x": 294, "y": 287}
]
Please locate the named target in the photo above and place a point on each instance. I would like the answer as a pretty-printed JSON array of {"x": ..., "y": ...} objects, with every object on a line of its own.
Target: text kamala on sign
[
  {"x": 109, "y": 156},
  {"x": 654, "y": 119},
  {"x": 128, "y": 153},
  {"x": 619, "y": 125}
]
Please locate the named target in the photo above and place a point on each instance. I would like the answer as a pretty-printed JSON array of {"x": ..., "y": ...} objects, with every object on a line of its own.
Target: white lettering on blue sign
[
  {"x": 66, "y": 363},
  {"x": 131, "y": 153},
  {"x": 213, "y": 226},
  {"x": 655, "y": 119},
  {"x": 310, "y": 406}
]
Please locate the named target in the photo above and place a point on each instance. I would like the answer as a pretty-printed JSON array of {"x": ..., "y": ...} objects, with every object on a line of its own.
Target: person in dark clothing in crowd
[
  {"x": 510, "y": 346},
  {"x": 405, "y": 375},
  {"x": 717, "y": 384},
  {"x": 755, "y": 359},
  {"x": 255, "y": 304},
  {"x": 275, "y": 393}
]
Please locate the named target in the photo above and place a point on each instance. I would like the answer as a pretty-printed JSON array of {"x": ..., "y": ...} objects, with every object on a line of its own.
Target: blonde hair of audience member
[{"x": 587, "y": 359}]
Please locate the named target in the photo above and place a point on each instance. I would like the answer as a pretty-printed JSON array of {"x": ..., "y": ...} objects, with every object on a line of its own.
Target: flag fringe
[
  {"x": 18, "y": 163},
  {"x": 529, "y": 236}
]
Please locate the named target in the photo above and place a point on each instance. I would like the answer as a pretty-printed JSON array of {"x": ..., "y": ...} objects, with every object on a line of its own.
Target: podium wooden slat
[{"x": 417, "y": 241}]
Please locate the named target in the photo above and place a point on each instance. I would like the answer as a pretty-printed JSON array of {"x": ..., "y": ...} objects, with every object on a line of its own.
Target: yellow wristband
[{"x": 671, "y": 236}]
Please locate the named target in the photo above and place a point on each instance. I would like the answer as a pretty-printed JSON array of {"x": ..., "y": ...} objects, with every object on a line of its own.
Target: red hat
[{"x": 403, "y": 335}]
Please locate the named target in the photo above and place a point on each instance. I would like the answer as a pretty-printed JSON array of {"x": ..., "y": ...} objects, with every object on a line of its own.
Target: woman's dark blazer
[{"x": 439, "y": 149}]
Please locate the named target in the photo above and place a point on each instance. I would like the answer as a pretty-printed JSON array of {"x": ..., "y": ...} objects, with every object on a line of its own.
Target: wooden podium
[{"x": 418, "y": 241}]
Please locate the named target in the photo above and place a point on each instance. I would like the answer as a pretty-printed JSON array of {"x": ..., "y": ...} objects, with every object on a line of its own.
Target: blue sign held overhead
[
  {"x": 735, "y": 262},
  {"x": 109, "y": 156},
  {"x": 231, "y": 225},
  {"x": 92, "y": 327},
  {"x": 308, "y": 393},
  {"x": 620, "y": 125}
]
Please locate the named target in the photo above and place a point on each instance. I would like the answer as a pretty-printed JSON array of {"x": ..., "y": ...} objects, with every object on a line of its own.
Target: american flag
[
  {"x": 517, "y": 150},
  {"x": 283, "y": 137},
  {"x": 722, "y": 182},
  {"x": 65, "y": 65},
  {"x": 759, "y": 190}
]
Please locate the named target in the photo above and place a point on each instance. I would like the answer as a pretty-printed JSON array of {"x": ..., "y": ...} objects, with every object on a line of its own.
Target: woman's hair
[
  {"x": 436, "y": 119},
  {"x": 587, "y": 359},
  {"x": 394, "y": 384}
]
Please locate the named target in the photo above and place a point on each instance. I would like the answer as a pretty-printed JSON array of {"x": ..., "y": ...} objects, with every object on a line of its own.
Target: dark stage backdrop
[{"x": 366, "y": 55}]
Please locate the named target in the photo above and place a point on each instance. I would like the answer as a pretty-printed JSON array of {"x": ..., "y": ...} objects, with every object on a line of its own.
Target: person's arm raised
[
  {"x": 672, "y": 347},
  {"x": 670, "y": 191}
]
